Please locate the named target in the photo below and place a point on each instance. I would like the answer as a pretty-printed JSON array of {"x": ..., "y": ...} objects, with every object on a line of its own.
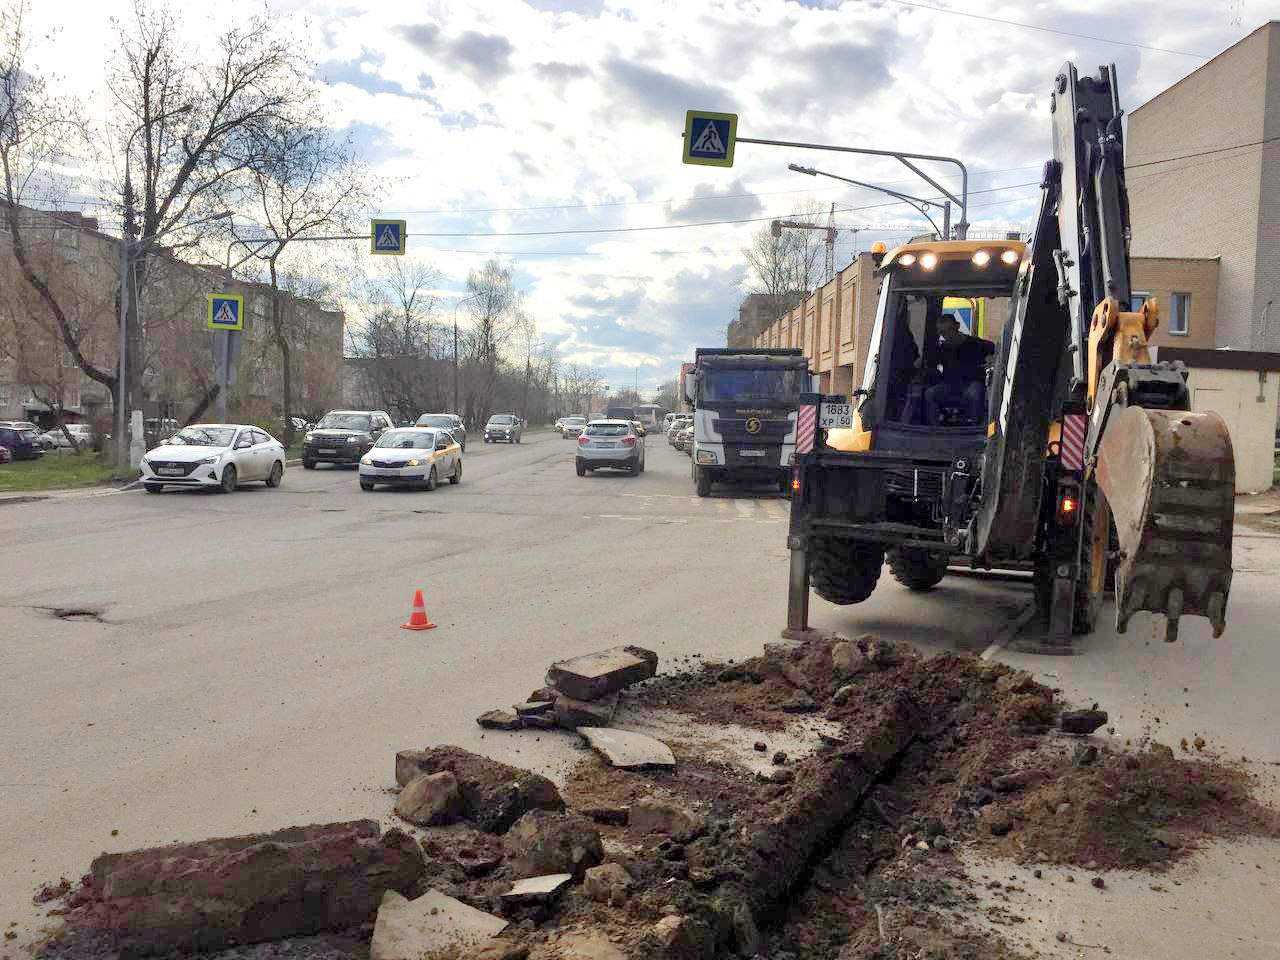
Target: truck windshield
[{"x": 743, "y": 385}]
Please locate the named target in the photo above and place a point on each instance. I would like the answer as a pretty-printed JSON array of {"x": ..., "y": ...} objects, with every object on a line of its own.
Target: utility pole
[
  {"x": 126, "y": 269},
  {"x": 456, "y": 405}
]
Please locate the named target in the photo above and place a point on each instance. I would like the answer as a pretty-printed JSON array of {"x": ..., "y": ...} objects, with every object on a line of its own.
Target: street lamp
[
  {"x": 126, "y": 268},
  {"x": 919, "y": 203},
  {"x": 456, "y": 405}
]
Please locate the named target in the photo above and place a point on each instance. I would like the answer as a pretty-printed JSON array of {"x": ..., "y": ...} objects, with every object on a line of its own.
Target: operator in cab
[{"x": 963, "y": 361}]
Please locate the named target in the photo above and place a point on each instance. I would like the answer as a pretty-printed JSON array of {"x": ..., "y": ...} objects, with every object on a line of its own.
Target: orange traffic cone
[{"x": 418, "y": 618}]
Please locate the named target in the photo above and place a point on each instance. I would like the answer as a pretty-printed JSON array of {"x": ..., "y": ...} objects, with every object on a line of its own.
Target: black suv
[
  {"x": 446, "y": 421},
  {"x": 343, "y": 436}
]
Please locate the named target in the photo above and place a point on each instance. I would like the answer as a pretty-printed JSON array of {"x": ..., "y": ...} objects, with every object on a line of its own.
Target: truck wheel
[
  {"x": 844, "y": 571},
  {"x": 917, "y": 569},
  {"x": 1095, "y": 568},
  {"x": 702, "y": 480}
]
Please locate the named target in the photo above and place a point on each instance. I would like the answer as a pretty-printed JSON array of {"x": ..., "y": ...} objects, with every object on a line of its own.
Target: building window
[
  {"x": 1137, "y": 299},
  {"x": 1180, "y": 314}
]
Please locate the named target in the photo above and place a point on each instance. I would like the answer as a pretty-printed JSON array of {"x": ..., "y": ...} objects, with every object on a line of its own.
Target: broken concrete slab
[
  {"x": 654, "y": 815},
  {"x": 1083, "y": 722},
  {"x": 594, "y": 675},
  {"x": 628, "y": 750},
  {"x": 608, "y": 883},
  {"x": 238, "y": 890},
  {"x": 534, "y": 707},
  {"x": 536, "y": 889},
  {"x": 572, "y": 713},
  {"x": 431, "y": 800},
  {"x": 494, "y": 794},
  {"x": 543, "y": 843},
  {"x": 428, "y": 926},
  {"x": 499, "y": 720}
]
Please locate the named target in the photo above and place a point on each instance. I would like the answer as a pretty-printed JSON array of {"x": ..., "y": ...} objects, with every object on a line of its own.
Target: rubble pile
[{"x": 856, "y": 850}]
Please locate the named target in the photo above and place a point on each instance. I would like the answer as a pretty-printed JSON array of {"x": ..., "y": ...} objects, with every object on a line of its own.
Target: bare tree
[
  {"x": 494, "y": 309},
  {"x": 190, "y": 123},
  {"x": 578, "y": 385},
  {"x": 784, "y": 268},
  {"x": 302, "y": 183}
]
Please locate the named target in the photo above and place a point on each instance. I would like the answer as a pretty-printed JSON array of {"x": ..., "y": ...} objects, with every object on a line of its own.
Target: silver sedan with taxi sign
[{"x": 412, "y": 457}]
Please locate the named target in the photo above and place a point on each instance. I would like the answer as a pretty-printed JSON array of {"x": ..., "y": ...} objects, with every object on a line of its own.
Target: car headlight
[
  {"x": 309, "y": 438},
  {"x": 209, "y": 460},
  {"x": 412, "y": 463},
  {"x": 353, "y": 439},
  {"x": 706, "y": 456},
  {"x": 366, "y": 460}
]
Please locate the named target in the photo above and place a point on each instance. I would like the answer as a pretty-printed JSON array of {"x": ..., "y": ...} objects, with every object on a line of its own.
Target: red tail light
[
  {"x": 583, "y": 440},
  {"x": 628, "y": 441},
  {"x": 795, "y": 480},
  {"x": 1068, "y": 507}
]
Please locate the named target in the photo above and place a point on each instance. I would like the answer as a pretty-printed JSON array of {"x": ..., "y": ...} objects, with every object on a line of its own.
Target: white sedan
[{"x": 219, "y": 455}]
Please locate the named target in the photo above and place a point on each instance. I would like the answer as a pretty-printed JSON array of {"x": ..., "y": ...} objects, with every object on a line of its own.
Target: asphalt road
[{"x": 248, "y": 672}]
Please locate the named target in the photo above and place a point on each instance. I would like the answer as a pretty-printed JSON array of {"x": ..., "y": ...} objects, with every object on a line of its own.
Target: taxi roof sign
[
  {"x": 388, "y": 237},
  {"x": 709, "y": 138},
  {"x": 226, "y": 311}
]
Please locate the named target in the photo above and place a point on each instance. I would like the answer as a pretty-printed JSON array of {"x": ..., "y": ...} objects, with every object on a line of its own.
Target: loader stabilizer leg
[
  {"x": 1169, "y": 476},
  {"x": 798, "y": 593}
]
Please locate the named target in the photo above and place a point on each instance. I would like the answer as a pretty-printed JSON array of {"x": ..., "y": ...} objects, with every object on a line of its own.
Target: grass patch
[{"x": 57, "y": 471}]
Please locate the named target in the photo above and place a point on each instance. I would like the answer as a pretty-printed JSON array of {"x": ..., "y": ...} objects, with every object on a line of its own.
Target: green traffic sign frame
[
  {"x": 239, "y": 301},
  {"x": 375, "y": 225},
  {"x": 689, "y": 117}
]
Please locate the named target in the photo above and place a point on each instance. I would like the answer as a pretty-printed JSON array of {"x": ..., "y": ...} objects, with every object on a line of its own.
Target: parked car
[
  {"x": 503, "y": 426},
  {"x": 23, "y": 444},
  {"x": 573, "y": 427},
  {"x": 5, "y": 455},
  {"x": 220, "y": 456},
  {"x": 343, "y": 436},
  {"x": 82, "y": 433},
  {"x": 610, "y": 443},
  {"x": 684, "y": 438},
  {"x": 446, "y": 421},
  {"x": 678, "y": 424},
  {"x": 29, "y": 427},
  {"x": 412, "y": 456}
]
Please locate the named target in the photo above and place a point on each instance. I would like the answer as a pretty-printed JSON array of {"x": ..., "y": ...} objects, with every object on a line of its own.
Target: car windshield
[
  {"x": 441, "y": 420},
  {"x": 413, "y": 439},
  {"x": 203, "y": 436},
  {"x": 608, "y": 430},
  {"x": 344, "y": 421},
  {"x": 501, "y": 421},
  {"x": 743, "y": 385}
]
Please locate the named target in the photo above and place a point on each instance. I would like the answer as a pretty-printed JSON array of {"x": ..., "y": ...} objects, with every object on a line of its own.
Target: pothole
[{"x": 76, "y": 614}]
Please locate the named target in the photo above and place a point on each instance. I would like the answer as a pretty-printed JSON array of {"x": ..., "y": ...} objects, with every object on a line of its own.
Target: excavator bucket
[{"x": 1169, "y": 477}]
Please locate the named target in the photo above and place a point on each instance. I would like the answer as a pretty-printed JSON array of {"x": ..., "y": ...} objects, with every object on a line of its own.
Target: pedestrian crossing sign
[
  {"x": 387, "y": 238},
  {"x": 226, "y": 311},
  {"x": 709, "y": 138}
]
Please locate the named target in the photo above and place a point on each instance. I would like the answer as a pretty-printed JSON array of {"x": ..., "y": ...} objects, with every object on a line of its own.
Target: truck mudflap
[{"x": 1169, "y": 478}]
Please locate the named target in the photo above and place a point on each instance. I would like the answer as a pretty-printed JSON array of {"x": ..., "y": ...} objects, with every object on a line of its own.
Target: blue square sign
[
  {"x": 709, "y": 138},
  {"x": 225, "y": 311},
  {"x": 387, "y": 237}
]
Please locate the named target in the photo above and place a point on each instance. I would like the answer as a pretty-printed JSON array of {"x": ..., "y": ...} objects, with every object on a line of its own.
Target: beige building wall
[
  {"x": 1162, "y": 277},
  {"x": 1225, "y": 205},
  {"x": 1246, "y": 400}
]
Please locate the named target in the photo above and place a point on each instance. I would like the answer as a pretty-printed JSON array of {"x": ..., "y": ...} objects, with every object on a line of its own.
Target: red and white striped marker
[
  {"x": 1074, "y": 428},
  {"x": 806, "y": 423}
]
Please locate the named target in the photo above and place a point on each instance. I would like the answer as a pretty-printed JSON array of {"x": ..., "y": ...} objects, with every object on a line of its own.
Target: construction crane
[{"x": 1063, "y": 451}]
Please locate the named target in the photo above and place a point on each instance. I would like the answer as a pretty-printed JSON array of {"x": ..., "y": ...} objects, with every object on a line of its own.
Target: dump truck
[
  {"x": 1061, "y": 450},
  {"x": 744, "y": 402}
]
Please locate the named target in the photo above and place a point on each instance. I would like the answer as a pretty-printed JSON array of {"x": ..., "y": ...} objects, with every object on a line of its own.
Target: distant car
[
  {"x": 28, "y": 427},
  {"x": 446, "y": 421},
  {"x": 23, "y": 444},
  {"x": 412, "y": 456},
  {"x": 610, "y": 443},
  {"x": 5, "y": 455},
  {"x": 343, "y": 436},
  {"x": 573, "y": 427},
  {"x": 220, "y": 456},
  {"x": 677, "y": 425},
  {"x": 684, "y": 438},
  {"x": 503, "y": 426},
  {"x": 82, "y": 433}
]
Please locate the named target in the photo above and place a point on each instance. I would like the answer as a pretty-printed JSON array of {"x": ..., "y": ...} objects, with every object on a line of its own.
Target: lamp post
[
  {"x": 126, "y": 269},
  {"x": 919, "y": 203},
  {"x": 456, "y": 404}
]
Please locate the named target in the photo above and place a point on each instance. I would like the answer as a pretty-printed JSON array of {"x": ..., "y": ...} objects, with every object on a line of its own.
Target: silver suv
[
  {"x": 503, "y": 426},
  {"x": 610, "y": 443}
]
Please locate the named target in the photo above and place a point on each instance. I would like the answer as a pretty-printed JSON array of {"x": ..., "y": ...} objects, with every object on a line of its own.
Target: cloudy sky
[{"x": 549, "y": 131}]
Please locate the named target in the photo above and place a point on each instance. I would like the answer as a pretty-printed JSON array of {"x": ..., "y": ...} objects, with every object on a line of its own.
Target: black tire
[
  {"x": 276, "y": 474},
  {"x": 366, "y": 486},
  {"x": 844, "y": 571},
  {"x": 308, "y": 464},
  {"x": 917, "y": 569},
  {"x": 633, "y": 468},
  {"x": 456, "y": 477},
  {"x": 153, "y": 488},
  {"x": 702, "y": 481},
  {"x": 229, "y": 479},
  {"x": 1091, "y": 585},
  {"x": 582, "y": 469},
  {"x": 431, "y": 478}
]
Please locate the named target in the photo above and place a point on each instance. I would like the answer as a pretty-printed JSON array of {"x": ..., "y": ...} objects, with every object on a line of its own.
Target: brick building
[{"x": 1203, "y": 160}]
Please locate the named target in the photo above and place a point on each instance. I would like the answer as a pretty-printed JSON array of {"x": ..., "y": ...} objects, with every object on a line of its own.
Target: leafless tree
[
  {"x": 578, "y": 385},
  {"x": 784, "y": 268},
  {"x": 494, "y": 310},
  {"x": 302, "y": 184}
]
